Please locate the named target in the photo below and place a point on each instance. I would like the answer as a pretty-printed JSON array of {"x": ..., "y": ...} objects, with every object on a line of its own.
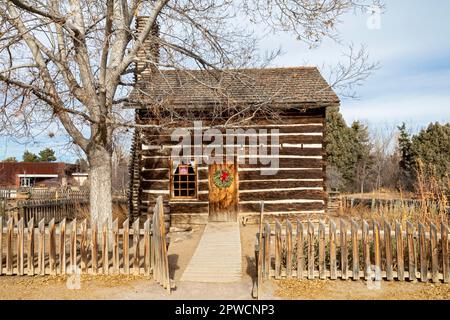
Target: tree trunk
[{"x": 100, "y": 186}]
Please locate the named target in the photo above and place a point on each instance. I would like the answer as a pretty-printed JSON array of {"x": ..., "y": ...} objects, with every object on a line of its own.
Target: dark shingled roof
[{"x": 301, "y": 85}]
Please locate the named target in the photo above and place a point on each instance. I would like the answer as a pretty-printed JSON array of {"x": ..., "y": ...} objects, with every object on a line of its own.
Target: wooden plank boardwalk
[{"x": 218, "y": 255}]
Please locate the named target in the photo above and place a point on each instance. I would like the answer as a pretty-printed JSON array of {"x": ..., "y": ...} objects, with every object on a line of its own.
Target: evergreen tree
[
  {"x": 47, "y": 155},
  {"x": 432, "y": 147},
  {"x": 30, "y": 157},
  {"x": 406, "y": 160},
  {"x": 339, "y": 150}
]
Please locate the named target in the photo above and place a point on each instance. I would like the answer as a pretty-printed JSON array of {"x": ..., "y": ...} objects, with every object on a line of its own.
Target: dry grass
[
  {"x": 120, "y": 212},
  {"x": 431, "y": 201}
]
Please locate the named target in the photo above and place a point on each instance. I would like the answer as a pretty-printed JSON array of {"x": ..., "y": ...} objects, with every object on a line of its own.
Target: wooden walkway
[{"x": 218, "y": 255}]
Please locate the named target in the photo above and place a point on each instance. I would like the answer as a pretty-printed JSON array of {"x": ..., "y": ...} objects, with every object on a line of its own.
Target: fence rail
[
  {"x": 72, "y": 247},
  {"x": 353, "y": 250}
]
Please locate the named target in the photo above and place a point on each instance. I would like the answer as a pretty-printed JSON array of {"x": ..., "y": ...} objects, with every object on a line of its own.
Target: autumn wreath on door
[{"x": 223, "y": 178}]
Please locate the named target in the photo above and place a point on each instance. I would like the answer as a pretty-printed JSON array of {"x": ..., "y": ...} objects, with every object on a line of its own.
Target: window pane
[{"x": 184, "y": 180}]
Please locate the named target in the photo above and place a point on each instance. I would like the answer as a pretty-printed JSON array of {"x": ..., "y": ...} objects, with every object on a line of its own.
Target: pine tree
[
  {"x": 432, "y": 147},
  {"x": 30, "y": 157},
  {"x": 339, "y": 150},
  {"x": 406, "y": 173},
  {"x": 47, "y": 155},
  {"x": 404, "y": 146}
]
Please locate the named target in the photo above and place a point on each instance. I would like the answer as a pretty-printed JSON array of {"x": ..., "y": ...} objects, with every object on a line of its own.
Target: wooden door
[{"x": 223, "y": 192}]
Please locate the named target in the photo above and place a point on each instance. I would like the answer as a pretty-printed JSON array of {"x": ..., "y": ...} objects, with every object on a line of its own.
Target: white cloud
[{"x": 416, "y": 110}]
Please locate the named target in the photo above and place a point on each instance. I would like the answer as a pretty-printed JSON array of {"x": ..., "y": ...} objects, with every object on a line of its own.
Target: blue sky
[
  {"x": 413, "y": 49},
  {"x": 412, "y": 85}
]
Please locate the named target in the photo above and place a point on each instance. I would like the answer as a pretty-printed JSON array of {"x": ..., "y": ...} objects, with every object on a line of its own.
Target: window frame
[
  {"x": 171, "y": 181},
  {"x": 27, "y": 182}
]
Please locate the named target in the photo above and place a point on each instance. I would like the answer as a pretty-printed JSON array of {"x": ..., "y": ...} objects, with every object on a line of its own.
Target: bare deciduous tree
[{"x": 69, "y": 63}]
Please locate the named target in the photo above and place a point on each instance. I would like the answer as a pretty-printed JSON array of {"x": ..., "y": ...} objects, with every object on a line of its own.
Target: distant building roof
[
  {"x": 9, "y": 170},
  {"x": 283, "y": 86}
]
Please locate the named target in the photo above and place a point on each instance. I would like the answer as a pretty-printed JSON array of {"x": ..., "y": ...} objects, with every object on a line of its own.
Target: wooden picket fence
[
  {"x": 73, "y": 247},
  {"x": 372, "y": 251},
  {"x": 57, "y": 209},
  {"x": 62, "y": 193},
  {"x": 7, "y": 193}
]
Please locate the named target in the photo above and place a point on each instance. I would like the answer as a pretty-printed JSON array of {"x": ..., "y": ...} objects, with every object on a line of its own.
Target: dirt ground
[
  {"x": 359, "y": 290},
  {"x": 181, "y": 249}
]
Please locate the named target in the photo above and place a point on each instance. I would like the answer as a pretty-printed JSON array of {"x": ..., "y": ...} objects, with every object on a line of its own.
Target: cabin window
[{"x": 183, "y": 180}]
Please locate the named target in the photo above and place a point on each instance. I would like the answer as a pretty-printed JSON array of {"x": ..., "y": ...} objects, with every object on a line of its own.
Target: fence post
[
  {"x": 259, "y": 258},
  {"x": 125, "y": 248},
  {"x": 20, "y": 246},
  {"x": 434, "y": 253},
  {"x": 9, "y": 243},
  {"x": 411, "y": 252},
  {"x": 41, "y": 253},
  {"x": 278, "y": 248},
  {"x": 310, "y": 250},
  {"x": 300, "y": 250},
  {"x": 147, "y": 265},
  {"x": 376, "y": 240},
  {"x": 423, "y": 254},
  {"x": 105, "y": 248},
  {"x": 94, "y": 248},
  {"x": 62, "y": 247},
  {"x": 333, "y": 268},
  {"x": 388, "y": 250},
  {"x": 355, "y": 245},
  {"x": 256, "y": 286},
  {"x": 83, "y": 247},
  {"x": 288, "y": 249},
  {"x": 366, "y": 250},
  {"x": 400, "y": 256},
  {"x": 322, "y": 263},
  {"x": 267, "y": 261},
  {"x": 343, "y": 249},
  {"x": 73, "y": 246},
  {"x": 115, "y": 251},
  {"x": 136, "y": 236},
  {"x": 52, "y": 246},
  {"x": 30, "y": 253},
  {"x": 165, "y": 261}
]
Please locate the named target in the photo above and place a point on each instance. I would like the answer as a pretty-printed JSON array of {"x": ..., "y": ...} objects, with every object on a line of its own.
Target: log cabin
[{"x": 280, "y": 110}]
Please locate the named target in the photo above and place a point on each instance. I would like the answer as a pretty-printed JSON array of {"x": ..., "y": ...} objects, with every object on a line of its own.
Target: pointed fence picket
[{"x": 41, "y": 248}]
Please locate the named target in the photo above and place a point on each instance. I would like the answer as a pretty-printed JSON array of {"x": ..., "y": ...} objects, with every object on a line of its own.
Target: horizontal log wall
[{"x": 300, "y": 178}]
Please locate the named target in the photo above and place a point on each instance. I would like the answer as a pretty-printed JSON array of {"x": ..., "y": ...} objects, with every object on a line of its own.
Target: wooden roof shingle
[{"x": 200, "y": 88}]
